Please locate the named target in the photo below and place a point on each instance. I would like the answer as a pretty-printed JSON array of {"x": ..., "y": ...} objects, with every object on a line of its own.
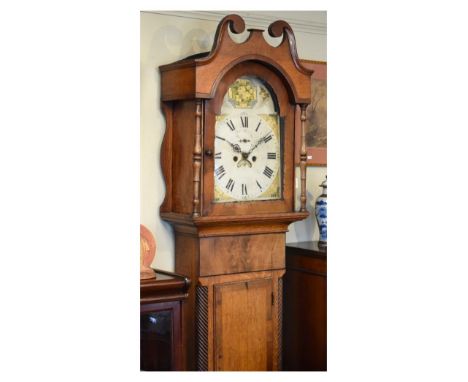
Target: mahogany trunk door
[{"x": 243, "y": 319}]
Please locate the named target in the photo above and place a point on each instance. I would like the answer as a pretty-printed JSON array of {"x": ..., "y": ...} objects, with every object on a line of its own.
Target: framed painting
[{"x": 316, "y": 117}]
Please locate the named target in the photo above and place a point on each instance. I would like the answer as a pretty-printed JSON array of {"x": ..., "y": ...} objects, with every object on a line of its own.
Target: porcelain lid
[{"x": 324, "y": 183}]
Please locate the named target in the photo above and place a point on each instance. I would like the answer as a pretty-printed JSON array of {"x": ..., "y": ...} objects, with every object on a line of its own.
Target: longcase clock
[{"x": 228, "y": 162}]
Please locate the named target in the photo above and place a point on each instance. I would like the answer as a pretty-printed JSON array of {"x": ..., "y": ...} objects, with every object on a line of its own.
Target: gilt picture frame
[{"x": 316, "y": 117}]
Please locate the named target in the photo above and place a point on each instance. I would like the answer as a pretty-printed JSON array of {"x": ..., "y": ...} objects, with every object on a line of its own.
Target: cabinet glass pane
[{"x": 156, "y": 341}]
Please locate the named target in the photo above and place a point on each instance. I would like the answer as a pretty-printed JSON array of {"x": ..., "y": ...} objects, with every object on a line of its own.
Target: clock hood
[{"x": 226, "y": 53}]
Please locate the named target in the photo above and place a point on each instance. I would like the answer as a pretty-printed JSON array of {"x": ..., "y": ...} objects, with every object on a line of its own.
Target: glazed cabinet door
[
  {"x": 243, "y": 325},
  {"x": 160, "y": 337}
]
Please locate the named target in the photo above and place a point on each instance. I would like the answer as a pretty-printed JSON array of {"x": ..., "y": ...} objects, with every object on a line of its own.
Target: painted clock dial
[{"x": 247, "y": 149}]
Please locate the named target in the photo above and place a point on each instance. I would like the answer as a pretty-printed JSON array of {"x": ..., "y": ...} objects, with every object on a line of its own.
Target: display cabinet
[
  {"x": 305, "y": 307},
  {"x": 161, "y": 301}
]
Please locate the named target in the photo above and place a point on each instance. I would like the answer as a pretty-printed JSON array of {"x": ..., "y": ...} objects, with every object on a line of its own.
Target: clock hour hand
[{"x": 236, "y": 147}]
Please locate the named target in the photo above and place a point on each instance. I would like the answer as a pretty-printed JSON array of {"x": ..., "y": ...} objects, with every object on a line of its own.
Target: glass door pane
[{"x": 156, "y": 341}]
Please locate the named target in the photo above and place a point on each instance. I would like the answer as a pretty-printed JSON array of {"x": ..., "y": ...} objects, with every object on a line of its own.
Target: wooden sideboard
[
  {"x": 305, "y": 308},
  {"x": 161, "y": 334}
]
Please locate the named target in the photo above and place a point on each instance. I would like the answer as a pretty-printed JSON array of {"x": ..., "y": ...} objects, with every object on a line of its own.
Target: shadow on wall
[{"x": 170, "y": 42}]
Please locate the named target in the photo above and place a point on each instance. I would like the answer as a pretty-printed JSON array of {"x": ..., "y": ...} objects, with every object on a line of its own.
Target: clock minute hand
[
  {"x": 258, "y": 143},
  {"x": 236, "y": 148}
]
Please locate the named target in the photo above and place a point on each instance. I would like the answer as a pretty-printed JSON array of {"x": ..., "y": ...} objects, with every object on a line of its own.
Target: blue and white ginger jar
[{"x": 321, "y": 213}]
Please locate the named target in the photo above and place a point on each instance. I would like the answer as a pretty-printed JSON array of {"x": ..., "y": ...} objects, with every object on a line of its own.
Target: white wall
[{"x": 170, "y": 36}]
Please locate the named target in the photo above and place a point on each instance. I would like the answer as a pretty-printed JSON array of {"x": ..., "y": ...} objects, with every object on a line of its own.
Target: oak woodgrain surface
[
  {"x": 243, "y": 320},
  {"x": 237, "y": 254}
]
